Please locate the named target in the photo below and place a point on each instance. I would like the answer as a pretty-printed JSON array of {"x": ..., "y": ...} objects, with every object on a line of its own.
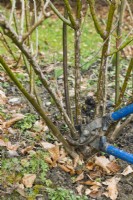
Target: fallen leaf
[
  {"x": 79, "y": 189},
  {"x": 127, "y": 171},
  {"x": 3, "y": 98},
  {"x": 12, "y": 153},
  {"x": 12, "y": 121},
  {"x": 20, "y": 190},
  {"x": 80, "y": 177},
  {"x": 71, "y": 168},
  {"x": 103, "y": 162},
  {"x": 12, "y": 147},
  {"x": 113, "y": 167},
  {"x": 95, "y": 194},
  {"x": 47, "y": 145},
  {"x": 87, "y": 191},
  {"x": 2, "y": 143},
  {"x": 95, "y": 187},
  {"x": 48, "y": 160},
  {"x": 95, "y": 174},
  {"x": 28, "y": 180},
  {"x": 90, "y": 165},
  {"x": 55, "y": 154},
  {"x": 112, "y": 187},
  {"x": 27, "y": 149},
  {"x": 64, "y": 168},
  {"x": 89, "y": 182}
]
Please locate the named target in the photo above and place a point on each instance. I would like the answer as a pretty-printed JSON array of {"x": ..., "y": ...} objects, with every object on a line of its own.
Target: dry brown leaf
[
  {"x": 80, "y": 177},
  {"x": 127, "y": 171},
  {"x": 47, "y": 145},
  {"x": 12, "y": 121},
  {"x": 3, "y": 98},
  {"x": 72, "y": 170},
  {"x": 89, "y": 182},
  {"x": 28, "y": 180},
  {"x": 48, "y": 160},
  {"x": 2, "y": 143},
  {"x": 55, "y": 154},
  {"x": 12, "y": 147},
  {"x": 20, "y": 190},
  {"x": 63, "y": 155},
  {"x": 90, "y": 165},
  {"x": 87, "y": 191},
  {"x": 95, "y": 187},
  {"x": 113, "y": 167},
  {"x": 64, "y": 168},
  {"x": 112, "y": 187},
  {"x": 9, "y": 145},
  {"x": 27, "y": 149},
  {"x": 76, "y": 161},
  {"x": 79, "y": 189},
  {"x": 95, "y": 194},
  {"x": 95, "y": 174},
  {"x": 103, "y": 162}
]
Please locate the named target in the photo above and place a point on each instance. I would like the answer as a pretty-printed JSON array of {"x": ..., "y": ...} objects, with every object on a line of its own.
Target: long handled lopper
[{"x": 90, "y": 135}]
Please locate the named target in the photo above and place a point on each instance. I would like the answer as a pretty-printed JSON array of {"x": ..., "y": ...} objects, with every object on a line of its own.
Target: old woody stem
[
  {"x": 77, "y": 63},
  {"x": 128, "y": 73},
  {"x": 65, "y": 68},
  {"x": 95, "y": 19},
  {"x": 69, "y": 11},
  {"x": 102, "y": 80},
  {"x": 121, "y": 8},
  {"x": 39, "y": 109}
]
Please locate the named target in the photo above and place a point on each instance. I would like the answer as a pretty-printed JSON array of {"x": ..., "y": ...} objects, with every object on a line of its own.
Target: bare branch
[
  {"x": 39, "y": 109},
  {"x": 18, "y": 41},
  {"x": 60, "y": 15}
]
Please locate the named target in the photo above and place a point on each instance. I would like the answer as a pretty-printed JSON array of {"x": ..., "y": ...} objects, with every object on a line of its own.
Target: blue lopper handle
[
  {"x": 123, "y": 112},
  {"x": 110, "y": 149}
]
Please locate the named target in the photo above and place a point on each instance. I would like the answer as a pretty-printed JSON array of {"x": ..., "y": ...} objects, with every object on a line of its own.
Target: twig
[
  {"x": 39, "y": 109},
  {"x": 22, "y": 16},
  {"x": 60, "y": 15},
  {"x": 129, "y": 9},
  {"x": 117, "y": 130},
  {"x": 12, "y": 11},
  {"x": 65, "y": 68},
  {"x": 69, "y": 10},
  {"x": 121, "y": 9},
  {"x": 95, "y": 19},
  {"x": 12, "y": 35},
  {"x": 102, "y": 80},
  {"x": 124, "y": 86}
]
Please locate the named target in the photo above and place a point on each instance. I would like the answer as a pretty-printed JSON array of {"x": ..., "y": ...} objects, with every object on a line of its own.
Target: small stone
[
  {"x": 48, "y": 103},
  {"x": 14, "y": 101},
  {"x": 12, "y": 153}
]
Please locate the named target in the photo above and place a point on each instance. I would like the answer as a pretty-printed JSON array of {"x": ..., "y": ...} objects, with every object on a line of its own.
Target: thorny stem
[
  {"x": 12, "y": 35},
  {"x": 39, "y": 109}
]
